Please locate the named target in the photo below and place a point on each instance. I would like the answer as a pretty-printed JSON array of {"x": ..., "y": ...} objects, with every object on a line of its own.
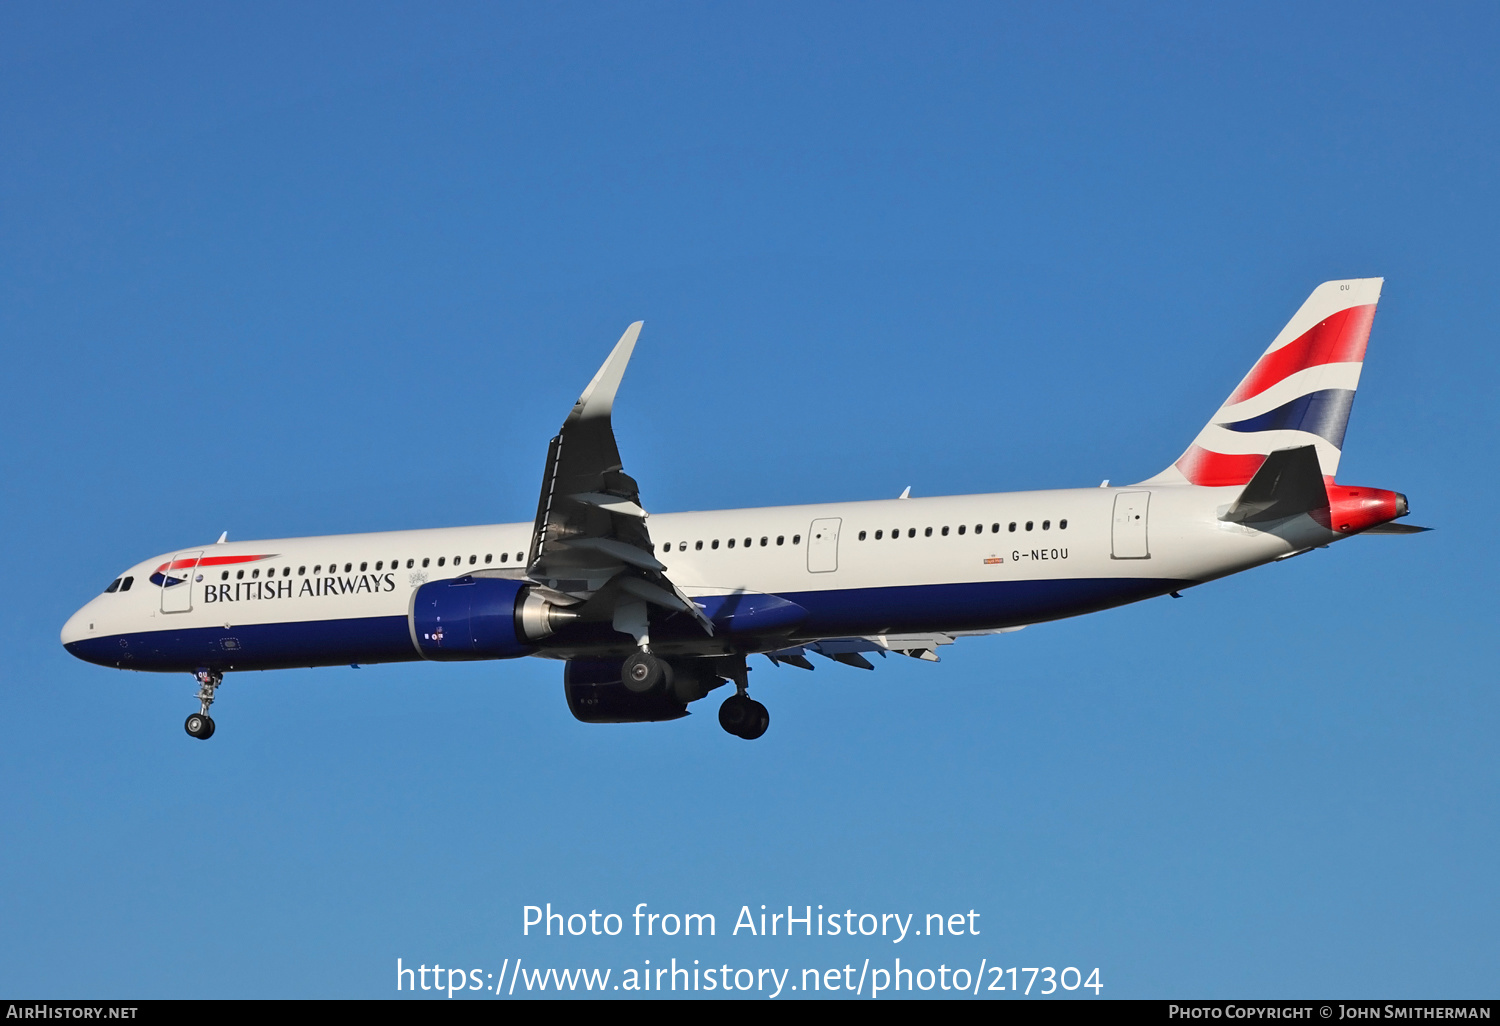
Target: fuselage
[{"x": 953, "y": 564}]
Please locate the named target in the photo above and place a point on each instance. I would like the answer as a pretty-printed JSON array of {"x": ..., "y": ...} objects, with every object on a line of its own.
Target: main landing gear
[
  {"x": 744, "y": 717},
  {"x": 740, "y": 714},
  {"x": 201, "y": 725},
  {"x": 643, "y": 672}
]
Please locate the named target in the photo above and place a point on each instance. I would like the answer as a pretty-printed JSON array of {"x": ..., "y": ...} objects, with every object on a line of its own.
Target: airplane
[{"x": 650, "y": 613}]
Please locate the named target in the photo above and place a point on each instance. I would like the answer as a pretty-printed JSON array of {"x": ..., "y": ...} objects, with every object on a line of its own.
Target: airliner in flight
[{"x": 650, "y": 613}]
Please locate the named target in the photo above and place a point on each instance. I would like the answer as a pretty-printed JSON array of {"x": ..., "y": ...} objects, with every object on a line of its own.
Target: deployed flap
[
  {"x": 1289, "y": 482},
  {"x": 590, "y": 526}
]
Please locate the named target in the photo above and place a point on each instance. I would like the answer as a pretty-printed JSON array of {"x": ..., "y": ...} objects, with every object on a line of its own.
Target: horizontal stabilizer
[
  {"x": 1394, "y": 528},
  {"x": 1289, "y": 482}
]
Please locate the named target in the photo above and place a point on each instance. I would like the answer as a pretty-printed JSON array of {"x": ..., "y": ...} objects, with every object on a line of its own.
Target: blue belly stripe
[
  {"x": 262, "y": 646},
  {"x": 851, "y": 611}
]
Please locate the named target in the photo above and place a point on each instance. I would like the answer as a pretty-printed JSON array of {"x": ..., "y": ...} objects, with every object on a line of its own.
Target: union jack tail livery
[{"x": 1298, "y": 393}]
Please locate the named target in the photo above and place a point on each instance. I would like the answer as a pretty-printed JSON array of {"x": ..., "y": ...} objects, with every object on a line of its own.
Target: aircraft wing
[{"x": 590, "y": 542}]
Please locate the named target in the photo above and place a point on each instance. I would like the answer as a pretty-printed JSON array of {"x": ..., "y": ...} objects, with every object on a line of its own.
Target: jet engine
[
  {"x": 596, "y": 694},
  {"x": 482, "y": 618}
]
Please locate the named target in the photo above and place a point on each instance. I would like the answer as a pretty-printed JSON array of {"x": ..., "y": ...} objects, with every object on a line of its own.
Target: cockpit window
[
  {"x": 114, "y": 586},
  {"x": 126, "y": 583}
]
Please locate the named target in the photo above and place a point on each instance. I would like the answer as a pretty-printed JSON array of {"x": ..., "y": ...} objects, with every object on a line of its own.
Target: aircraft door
[
  {"x": 1128, "y": 538},
  {"x": 823, "y": 545},
  {"x": 178, "y": 578}
]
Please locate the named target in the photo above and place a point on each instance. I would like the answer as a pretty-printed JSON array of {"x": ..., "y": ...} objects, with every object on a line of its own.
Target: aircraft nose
[{"x": 80, "y": 627}]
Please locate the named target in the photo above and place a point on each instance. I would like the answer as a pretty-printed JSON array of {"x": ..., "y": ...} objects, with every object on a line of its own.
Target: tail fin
[{"x": 1298, "y": 393}]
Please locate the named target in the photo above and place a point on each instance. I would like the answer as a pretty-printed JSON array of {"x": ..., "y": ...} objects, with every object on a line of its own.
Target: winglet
[{"x": 598, "y": 399}]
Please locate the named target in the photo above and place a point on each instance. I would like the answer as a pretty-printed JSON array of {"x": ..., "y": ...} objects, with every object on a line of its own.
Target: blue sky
[{"x": 282, "y": 270}]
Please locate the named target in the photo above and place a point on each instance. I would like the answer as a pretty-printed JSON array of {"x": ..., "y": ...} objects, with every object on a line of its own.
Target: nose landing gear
[{"x": 201, "y": 725}]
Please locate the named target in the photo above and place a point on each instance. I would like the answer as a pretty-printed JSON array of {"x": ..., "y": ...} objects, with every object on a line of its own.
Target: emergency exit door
[
  {"x": 823, "y": 545},
  {"x": 1128, "y": 540}
]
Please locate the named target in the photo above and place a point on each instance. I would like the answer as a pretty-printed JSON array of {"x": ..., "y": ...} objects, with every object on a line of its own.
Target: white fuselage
[{"x": 959, "y": 563}]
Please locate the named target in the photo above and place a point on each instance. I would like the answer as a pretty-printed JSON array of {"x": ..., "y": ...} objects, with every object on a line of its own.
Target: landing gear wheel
[
  {"x": 200, "y": 726},
  {"x": 744, "y": 717},
  {"x": 642, "y": 672},
  {"x": 760, "y": 720},
  {"x": 734, "y": 714}
]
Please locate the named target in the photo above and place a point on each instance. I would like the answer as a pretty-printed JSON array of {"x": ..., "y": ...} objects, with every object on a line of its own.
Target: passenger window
[
  {"x": 363, "y": 567},
  {"x": 379, "y": 563},
  {"x": 316, "y": 569},
  {"x": 747, "y": 543},
  {"x": 1062, "y": 525},
  {"x": 697, "y": 546},
  {"x": 255, "y": 572},
  {"x": 504, "y": 556},
  {"x": 878, "y": 535},
  {"x": 927, "y": 533},
  {"x": 796, "y": 539},
  {"x": 1028, "y": 525},
  {"x": 682, "y": 546},
  {"x": 126, "y": 583},
  {"x": 1012, "y": 527},
  {"x": 489, "y": 557},
  {"x": 731, "y": 543},
  {"x": 666, "y": 547},
  {"x": 962, "y": 528},
  {"x": 286, "y": 571},
  {"x": 224, "y": 576},
  {"x": 945, "y": 532},
  {"x": 473, "y": 560},
  {"x": 348, "y": 567},
  {"x": 520, "y": 557},
  {"x": 1046, "y": 525},
  {"x": 780, "y": 539},
  {"x": 912, "y": 533},
  {"x": 994, "y": 529},
  {"x": 861, "y": 536},
  {"x": 301, "y": 571},
  {"x": 442, "y": 560},
  {"x": 764, "y": 541},
  {"x": 114, "y": 586},
  {"x": 714, "y": 544}
]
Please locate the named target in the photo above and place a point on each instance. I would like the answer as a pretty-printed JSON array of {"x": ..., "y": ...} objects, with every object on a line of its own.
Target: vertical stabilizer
[{"x": 1298, "y": 393}]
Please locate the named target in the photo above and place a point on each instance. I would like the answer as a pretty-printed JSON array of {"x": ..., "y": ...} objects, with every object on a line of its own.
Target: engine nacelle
[
  {"x": 481, "y": 618},
  {"x": 596, "y": 695}
]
